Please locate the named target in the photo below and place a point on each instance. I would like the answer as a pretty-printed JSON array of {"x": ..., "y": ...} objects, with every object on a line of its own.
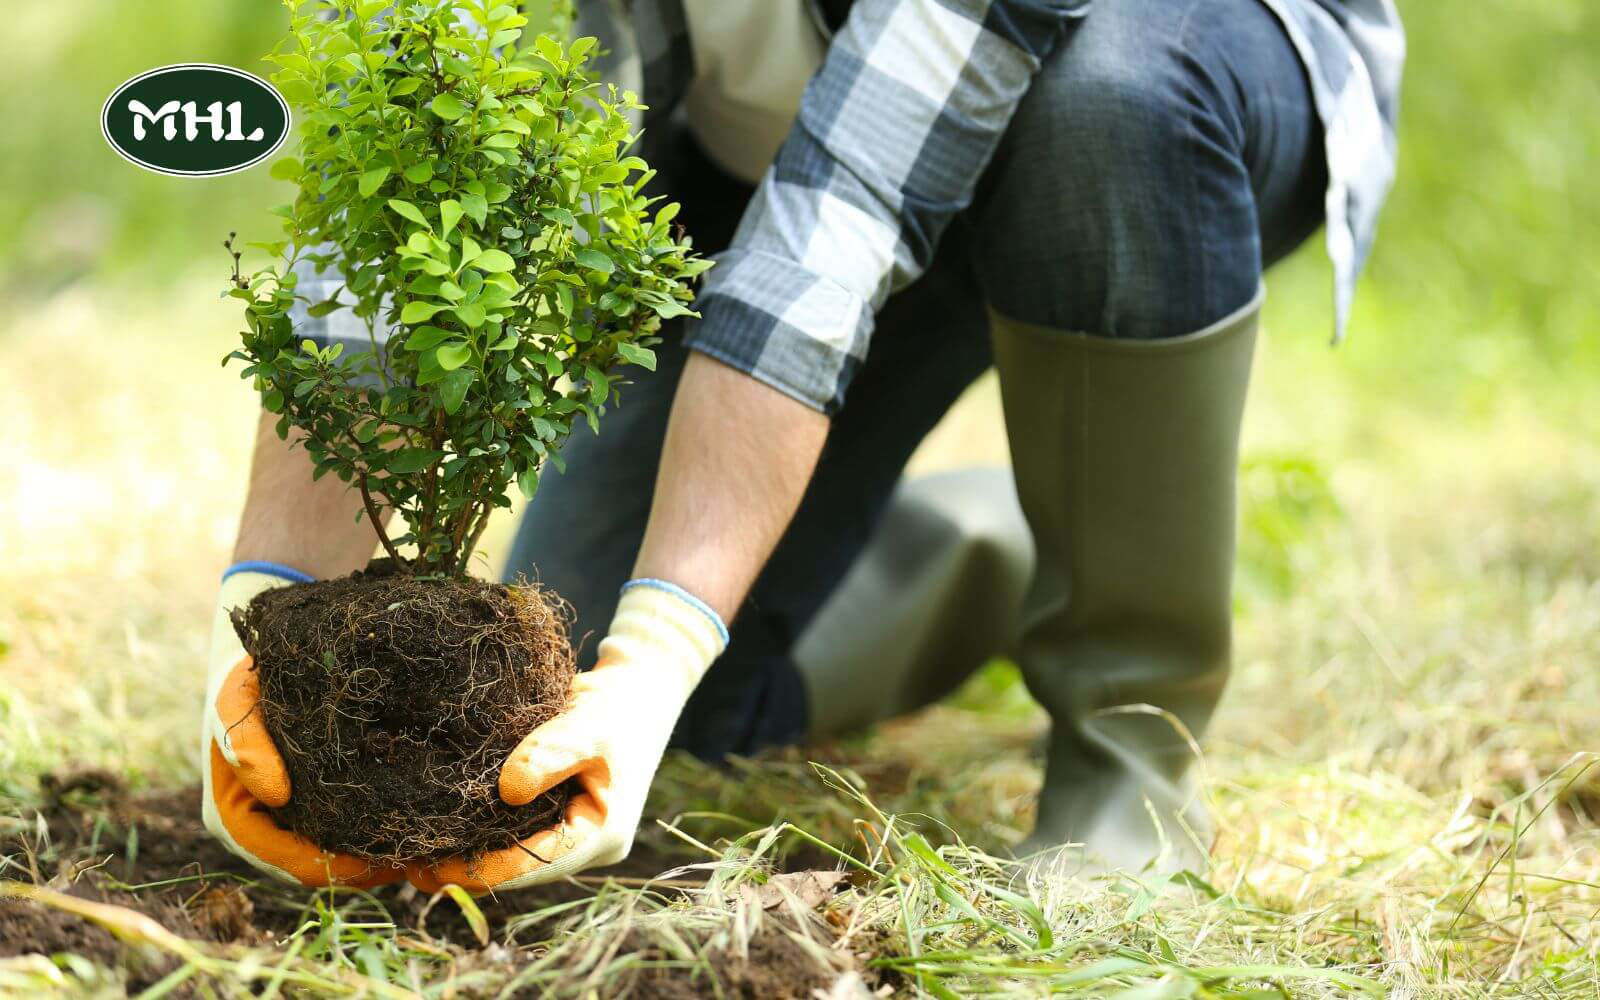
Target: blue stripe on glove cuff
[
  {"x": 278, "y": 570},
  {"x": 685, "y": 596}
]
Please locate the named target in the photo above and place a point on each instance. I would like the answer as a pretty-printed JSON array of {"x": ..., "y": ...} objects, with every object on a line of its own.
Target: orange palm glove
[
  {"x": 243, "y": 774},
  {"x": 611, "y": 739}
]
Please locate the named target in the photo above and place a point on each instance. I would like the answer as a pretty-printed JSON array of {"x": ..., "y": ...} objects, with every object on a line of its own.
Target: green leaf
[
  {"x": 419, "y": 172},
  {"x": 471, "y": 315},
  {"x": 594, "y": 260},
  {"x": 417, "y": 312},
  {"x": 549, "y": 50},
  {"x": 453, "y": 388},
  {"x": 409, "y": 211},
  {"x": 372, "y": 180},
  {"x": 324, "y": 307},
  {"x": 407, "y": 461},
  {"x": 528, "y": 482},
  {"x": 450, "y": 213},
  {"x": 494, "y": 261},
  {"x": 428, "y": 371},
  {"x": 286, "y": 169},
  {"x": 453, "y": 355},
  {"x": 673, "y": 308},
  {"x": 477, "y": 206},
  {"x": 644, "y": 357},
  {"x": 424, "y": 337},
  {"x": 448, "y": 107}
]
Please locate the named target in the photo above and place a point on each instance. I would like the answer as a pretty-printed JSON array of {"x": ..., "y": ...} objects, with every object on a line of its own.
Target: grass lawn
[
  {"x": 1402, "y": 771},
  {"x": 1398, "y": 771}
]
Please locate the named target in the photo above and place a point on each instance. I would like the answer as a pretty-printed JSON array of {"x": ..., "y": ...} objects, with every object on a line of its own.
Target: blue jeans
[{"x": 1165, "y": 156}]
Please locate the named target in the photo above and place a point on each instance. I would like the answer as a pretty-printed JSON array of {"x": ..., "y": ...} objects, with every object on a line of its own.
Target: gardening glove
[
  {"x": 610, "y": 738},
  {"x": 243, "y": 772}
]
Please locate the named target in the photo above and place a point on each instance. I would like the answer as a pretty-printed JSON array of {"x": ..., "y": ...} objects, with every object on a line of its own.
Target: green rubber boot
[
  {"x": 936, "y": 593},
  {"x": 1125, "y": 455}
]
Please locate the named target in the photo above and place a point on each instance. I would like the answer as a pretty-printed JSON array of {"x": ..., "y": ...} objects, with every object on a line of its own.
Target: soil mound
[{"x": 394, "y": 701}]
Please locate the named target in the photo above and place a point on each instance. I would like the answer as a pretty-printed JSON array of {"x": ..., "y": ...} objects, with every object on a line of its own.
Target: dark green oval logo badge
[{"x": 195, "y": 120}]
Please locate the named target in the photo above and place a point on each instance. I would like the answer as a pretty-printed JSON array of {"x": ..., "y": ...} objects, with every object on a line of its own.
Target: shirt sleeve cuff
[{"x": 784, "y": 326}]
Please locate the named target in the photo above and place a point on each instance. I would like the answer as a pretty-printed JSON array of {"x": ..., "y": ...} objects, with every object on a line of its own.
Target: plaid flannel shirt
[
  {"x": 891, "y": 135},
  {"x": 893, "y": 132}
]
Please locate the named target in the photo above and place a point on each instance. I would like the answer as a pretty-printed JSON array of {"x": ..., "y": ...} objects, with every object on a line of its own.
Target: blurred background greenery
[
  {"x": 1481, "y": 302},
  {"x": 1486, "y": 271}
]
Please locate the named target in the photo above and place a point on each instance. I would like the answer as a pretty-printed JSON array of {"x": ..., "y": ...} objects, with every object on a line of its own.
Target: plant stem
[
  {"x": 473, "y": 539},
  {"x": 454, "y": 557},
  {"x": 377, "y": 523},
  {"x": 428, "y": 497}
]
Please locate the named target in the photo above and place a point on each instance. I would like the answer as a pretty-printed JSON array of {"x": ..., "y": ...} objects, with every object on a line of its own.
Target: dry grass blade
[{"x": 469, "y": 909}]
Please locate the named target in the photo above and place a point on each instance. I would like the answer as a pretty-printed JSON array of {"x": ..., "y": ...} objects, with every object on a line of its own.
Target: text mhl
[{"x": 167, "y": 117}]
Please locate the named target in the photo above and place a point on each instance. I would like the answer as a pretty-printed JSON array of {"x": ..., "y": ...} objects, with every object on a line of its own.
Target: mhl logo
[
  {"x": 167, "y": 117},
  {"x": 195, "y": 120}
]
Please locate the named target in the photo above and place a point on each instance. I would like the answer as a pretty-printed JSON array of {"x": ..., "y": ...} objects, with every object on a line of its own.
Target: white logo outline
[{"x": 106, "y": 109}]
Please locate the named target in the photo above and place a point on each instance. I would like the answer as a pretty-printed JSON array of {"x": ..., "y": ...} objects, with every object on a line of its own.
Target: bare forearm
[
  {"x": 737, "y": 459},
  {"x": 291, "y": 520}
]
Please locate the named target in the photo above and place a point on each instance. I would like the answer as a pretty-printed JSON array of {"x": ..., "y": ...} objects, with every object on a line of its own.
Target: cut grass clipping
[{"x": 394, "y": 701}]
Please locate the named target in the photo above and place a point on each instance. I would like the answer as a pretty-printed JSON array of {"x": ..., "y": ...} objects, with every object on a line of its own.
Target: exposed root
[{"x": 394, "y": 702}]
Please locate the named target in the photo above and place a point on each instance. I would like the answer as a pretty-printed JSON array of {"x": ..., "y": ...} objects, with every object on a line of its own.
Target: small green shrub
[{"x": 479, "y": 200}]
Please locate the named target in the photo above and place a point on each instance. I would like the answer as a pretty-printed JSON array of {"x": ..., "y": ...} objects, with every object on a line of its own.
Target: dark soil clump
[
  {"x": 395, "y": 700},
  {"x": 775, "y": 966},
  {"x": 26, "y": 928}
]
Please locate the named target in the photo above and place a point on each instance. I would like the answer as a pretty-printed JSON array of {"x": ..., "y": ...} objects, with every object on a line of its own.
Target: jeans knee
[
  {"x": 1118, "y": 203},
  {"x": 1105, "y": 124},
  {"x": 1106, "y": 116}
]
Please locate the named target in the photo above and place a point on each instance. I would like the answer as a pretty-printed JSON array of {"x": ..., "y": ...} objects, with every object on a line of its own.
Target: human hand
[
  {"x": 610, "y": 739},
  {"x": 243, "y": 773}
]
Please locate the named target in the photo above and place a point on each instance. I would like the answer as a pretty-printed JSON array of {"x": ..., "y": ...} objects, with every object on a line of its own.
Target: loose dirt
[
  {"x": 27, "y": 928},
  {"x": 151, "y": 854},
  {"x": 395, "y": 700},
  {"x": 775, "y": 966}
]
